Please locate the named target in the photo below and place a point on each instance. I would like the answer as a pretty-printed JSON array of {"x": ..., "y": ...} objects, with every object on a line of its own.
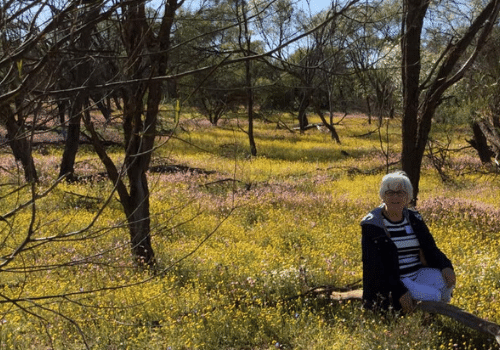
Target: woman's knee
[{"x": 430, "y": 276}]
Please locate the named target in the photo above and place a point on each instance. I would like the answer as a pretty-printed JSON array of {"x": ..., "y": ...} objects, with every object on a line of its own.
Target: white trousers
[{"x": 428, "y": 285}]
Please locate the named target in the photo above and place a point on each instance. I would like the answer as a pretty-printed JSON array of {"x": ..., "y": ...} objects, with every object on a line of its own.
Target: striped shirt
[{"x": 408, "y": 246}]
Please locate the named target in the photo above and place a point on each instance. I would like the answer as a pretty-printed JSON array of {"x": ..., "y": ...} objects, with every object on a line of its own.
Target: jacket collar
[{"x": 376, "y": 218}]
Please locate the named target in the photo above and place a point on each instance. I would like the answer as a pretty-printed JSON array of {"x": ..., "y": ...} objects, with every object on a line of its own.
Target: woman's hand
[
  {"x": 407, "y": 303},
  {"x": 449, "y": 277}
]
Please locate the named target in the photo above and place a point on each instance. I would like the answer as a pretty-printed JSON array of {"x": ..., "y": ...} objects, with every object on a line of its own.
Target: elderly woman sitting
[{"x": 401, "y": 262}]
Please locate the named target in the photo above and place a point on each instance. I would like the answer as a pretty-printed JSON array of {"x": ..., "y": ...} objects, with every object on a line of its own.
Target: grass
[{"x": 236, "y": 247}]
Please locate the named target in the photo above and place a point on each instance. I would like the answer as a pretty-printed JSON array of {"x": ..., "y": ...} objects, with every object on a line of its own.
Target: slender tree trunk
[
  {"x": 138, "y": 155},
  {"x": 72, "y": 140},
  {"x": 480, "y": 144},
  {"x": 304, "y": 103},
  {"x": 253, "y": 147},
  {"x": 329, "y": 126},
  {"x": 138, "y": 216},
  {"x": 139, "y": 124},
  {"x": 369, "y": 107},
  {"x": 82, "y": 75},
  {"x": 492, "y": 135},
  {"x": 19, "y": 143},
  {"x": 414, "y": 13},
  {"x": 248, "y": 71}
]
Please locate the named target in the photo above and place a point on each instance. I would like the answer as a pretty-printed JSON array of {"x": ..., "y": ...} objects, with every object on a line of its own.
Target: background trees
[
  {"x": 422, "y": 95},
  {"x": 63, "y": 62},
  {"x": 56, "y": 57},
  {"x": 478, "y": 99}
]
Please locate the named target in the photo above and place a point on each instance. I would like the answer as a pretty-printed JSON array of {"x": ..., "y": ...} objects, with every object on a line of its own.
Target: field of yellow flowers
[{"x": 238, "y": 245}]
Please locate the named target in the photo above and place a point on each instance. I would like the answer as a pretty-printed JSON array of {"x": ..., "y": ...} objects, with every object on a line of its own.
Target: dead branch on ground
[{"x": 435, "y": 307}]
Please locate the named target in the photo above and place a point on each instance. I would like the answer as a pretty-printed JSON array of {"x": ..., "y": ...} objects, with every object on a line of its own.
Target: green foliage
[{"x": 237, "y": 248}]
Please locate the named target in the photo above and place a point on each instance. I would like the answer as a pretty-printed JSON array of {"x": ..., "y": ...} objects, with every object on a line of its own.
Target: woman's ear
[{"x": 407, "y": 199}]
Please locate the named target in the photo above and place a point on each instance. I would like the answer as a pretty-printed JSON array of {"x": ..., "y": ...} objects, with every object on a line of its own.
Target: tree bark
[
  {"x": 138, "y": 216},
  {"x": 480, "y": 144},
  {"x": 491, "y": 133},
  {"x": 248, "y": 74},
  {"x": 147, "y": 56},
  {"x": 81, "y": 76},
  {"x": 19, "y": 143},
  {"x": 328, "y": 125},
  {"x": 414, "y": 13},
  {"x": 304, "y": 103},
  {"x": 251, "y": 139},
  {"x": 72, "y": 140}
]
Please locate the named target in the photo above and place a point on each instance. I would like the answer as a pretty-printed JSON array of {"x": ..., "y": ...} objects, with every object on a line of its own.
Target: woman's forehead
[{"x": 396, "y": 185}]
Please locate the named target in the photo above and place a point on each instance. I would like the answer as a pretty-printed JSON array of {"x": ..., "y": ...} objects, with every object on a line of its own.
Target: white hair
[{"x": 394, "y": 180}]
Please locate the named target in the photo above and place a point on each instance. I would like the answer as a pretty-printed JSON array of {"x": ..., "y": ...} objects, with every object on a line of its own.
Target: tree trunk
[
  {"x": 304, "y": 103},
  {"x": 139, "y": 126},
  {"x": 414, "y": 12},
  {"x": 253, "y": 147},
  {"x": 19, "y": 143},
  {"x": 248, "y": 71},
  {"x": 138, "y": 159},
  {"x": 329, "y": 126},
  {"x": 480, "y": 144},
  {"x": 491, "y": 133},
  {"x": 81, "y": 77},
  {"x": 138, "y": 217},
  {"x": 72, "y": 140},
  {"x": 135, "y": 201},
  {"x": 369, "y": 108},
  {"x": 139, "y": 136}
]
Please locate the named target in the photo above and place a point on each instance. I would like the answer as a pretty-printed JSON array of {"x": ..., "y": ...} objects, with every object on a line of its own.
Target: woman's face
[{"x": 395, "y": 199}]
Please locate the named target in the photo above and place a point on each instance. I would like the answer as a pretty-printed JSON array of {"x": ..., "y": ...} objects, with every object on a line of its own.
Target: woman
[{"x": 401, "y": 262}]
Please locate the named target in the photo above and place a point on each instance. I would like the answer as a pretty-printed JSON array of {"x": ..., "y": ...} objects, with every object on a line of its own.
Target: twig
[
  {"x": 331, "y": 290},
  {"x": 220, "y": 181},
  {"x": 83, "y": 196}
]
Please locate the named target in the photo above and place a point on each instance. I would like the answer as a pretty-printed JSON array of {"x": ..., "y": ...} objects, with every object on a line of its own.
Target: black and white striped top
[{"x": 408, "y": 246}]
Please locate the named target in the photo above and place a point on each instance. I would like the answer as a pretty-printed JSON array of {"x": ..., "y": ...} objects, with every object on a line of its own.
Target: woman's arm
[
  {"x": 432, "y": 255},
  {"x": 380, "y": 267}
]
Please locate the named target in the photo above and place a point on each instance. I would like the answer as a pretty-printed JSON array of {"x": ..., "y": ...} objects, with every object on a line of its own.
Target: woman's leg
[
  {"x": 433, "y": 278},
  {"x": 422, "y": 291}
]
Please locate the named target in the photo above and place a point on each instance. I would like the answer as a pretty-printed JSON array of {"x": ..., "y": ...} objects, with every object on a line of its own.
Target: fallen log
[
  {"x": 467, "y": 319},
  {"x": 356, "y": 294},
  {"x": 435, "y": 307}
]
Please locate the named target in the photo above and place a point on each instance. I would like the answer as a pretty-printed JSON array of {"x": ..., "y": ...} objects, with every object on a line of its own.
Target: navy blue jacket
[{"x": 382, "y": 286}]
